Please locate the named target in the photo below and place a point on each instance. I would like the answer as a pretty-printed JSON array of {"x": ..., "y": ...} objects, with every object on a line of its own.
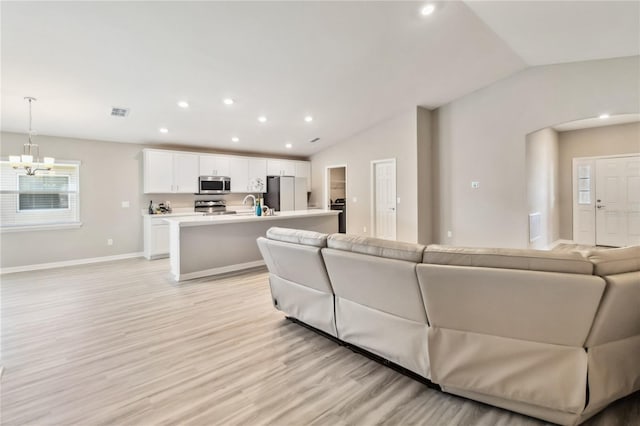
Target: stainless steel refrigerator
[{"x": 286, "y": 193}]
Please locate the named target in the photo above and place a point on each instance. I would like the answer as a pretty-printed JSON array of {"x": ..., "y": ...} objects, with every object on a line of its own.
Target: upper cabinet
[
  {"x": 239, "y": 174},
  {"x": 303, "y": 169},
  {"x": 215, "y": 165},
  {"x": 277, "y": 167},
  {"x": 169, "y": 172},
  {"x": 257, "y": 175}
]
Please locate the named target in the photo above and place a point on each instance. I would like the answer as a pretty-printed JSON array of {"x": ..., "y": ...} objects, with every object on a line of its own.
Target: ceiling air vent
[
  {"x": 119, "y": 112},
  {"x": 314, "y": 140}
]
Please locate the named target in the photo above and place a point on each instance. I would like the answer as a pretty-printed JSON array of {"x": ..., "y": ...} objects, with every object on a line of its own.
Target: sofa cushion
[
  {"x": 376, "y": 247},
  {"x": 534, "y": 260},
  {"x": 297, "y": 236},
  {"x": 615, "y": 261}
]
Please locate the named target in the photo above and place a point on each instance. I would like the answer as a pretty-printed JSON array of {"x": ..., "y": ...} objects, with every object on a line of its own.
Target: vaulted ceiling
[{"x": 348, "y": 65}]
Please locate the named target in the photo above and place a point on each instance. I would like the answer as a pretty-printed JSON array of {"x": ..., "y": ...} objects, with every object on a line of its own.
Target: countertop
[{"x": 239, "y": 218}]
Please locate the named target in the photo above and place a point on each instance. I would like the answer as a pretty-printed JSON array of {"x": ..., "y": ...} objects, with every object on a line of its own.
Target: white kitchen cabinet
[
  {"x": 239, "y": 174},
  {"x": 257, "y": 175},
  {"x": 185, "y": 173},
  {"x": 156, "y": 235},
  {"x": 167, "y": 172},
  {"x": 277, "y": 167},
  {"x": 303, "y": 170},
  {"x": 215, "y": 165},
  {"x": 158, "y": 172}
]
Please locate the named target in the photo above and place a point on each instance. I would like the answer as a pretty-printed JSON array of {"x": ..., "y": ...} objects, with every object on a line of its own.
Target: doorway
[
  {"x": 383, "y": 198},
  {"x": 335, "y": 191},
  {"x": 606, "y": 200}
]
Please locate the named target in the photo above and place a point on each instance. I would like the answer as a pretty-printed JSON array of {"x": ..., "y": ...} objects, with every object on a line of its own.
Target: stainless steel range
[{"x": 212, "y": 207}]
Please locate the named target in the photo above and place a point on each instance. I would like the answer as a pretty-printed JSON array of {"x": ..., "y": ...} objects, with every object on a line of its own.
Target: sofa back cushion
[
  {"x": 615, "y": 261},
  {"x": 385, "y": 284},
  {"x": 545, "y": 307},
  {"x": 377, "y": 247},
  {"x": 532, "y": 260},
  {"x": 298, "y": 263},
  {"x": 297, "y": 236}
]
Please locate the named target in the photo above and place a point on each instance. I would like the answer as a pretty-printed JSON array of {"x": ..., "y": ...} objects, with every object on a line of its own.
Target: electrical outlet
[
  {"x": 355, "y": 199},
  {"x": 110, "y": 242},
  {"x": 398, "y": 200},
  {"x": 125, "y": 204},
  {"x": 449, "y": 234},
  {"x": 364, "y": 229},
  {"x": 475, "y": 184}
]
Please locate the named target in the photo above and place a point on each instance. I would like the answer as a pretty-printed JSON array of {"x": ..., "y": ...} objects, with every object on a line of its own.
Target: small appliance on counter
[
  {"x": 212, "y": 207},
  {"x": 162, "y": 208},
  {"x": 285, "y": 193}
]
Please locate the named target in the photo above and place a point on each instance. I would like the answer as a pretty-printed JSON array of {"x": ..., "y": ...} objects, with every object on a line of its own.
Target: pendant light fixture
[{"x": 30, "y": 158}]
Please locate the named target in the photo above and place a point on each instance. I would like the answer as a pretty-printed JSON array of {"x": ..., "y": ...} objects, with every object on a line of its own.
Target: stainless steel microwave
[{"x": 214, "y": 184}]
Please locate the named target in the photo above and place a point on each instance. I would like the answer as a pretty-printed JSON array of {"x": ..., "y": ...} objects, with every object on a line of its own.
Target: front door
[{"x": 618, "y": 201}]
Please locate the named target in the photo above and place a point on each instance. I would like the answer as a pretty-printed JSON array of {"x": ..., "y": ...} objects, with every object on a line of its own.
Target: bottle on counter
[
  {"x": 258, "y": 208},
  {"x": 151, "y": 207}
]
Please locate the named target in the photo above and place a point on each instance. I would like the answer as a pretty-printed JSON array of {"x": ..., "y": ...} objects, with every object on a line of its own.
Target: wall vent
[
  {"x": 314, "y": 140},
  {"x": 119, "y": 112},
  {"x": 535, "y": 227}
]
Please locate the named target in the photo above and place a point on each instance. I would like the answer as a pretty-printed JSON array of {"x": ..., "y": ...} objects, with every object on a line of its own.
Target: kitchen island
[{"x": 209, "y": 245}]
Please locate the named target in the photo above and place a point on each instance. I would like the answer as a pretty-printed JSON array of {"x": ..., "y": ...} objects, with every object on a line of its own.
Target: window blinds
[{"x": 48, "y": 198}]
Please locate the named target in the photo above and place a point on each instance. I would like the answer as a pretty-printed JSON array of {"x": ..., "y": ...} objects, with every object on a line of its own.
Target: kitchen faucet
[{"x": 252, "y": 197}]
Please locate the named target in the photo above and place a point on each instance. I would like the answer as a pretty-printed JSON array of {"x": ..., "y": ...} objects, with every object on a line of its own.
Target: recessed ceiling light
[
  {"x": 603, "y": 116},
  {"x": 288, "y": 146},
  {"x": 228, "y": 101},
  {"x": 163, "y": 130},
  {"x": 235, "y": 139},
  {"x": 427, "y": 10},
  {"x": 183, "y": 104},
  {"x": 308, "y": 119},
  {"x": 262, "y": 119}
]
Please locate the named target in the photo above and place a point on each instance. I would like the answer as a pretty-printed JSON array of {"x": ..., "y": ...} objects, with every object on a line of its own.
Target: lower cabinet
[{"x": 156, "y": 236}]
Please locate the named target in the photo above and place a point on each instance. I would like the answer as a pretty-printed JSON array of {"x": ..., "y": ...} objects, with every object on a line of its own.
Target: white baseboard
[
  {"x": 217, "y": 271},
  {"x": 558, "y": 242},
  {"x": 64, "y": 263}
]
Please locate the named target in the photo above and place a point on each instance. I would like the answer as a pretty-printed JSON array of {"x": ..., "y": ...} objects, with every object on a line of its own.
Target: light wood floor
[{"x": 119, "y": 343}]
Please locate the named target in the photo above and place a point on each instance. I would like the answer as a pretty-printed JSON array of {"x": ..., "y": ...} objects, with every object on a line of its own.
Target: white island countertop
[
  {"x": 198, "y": 247},
  {"x": 239, "y": 218}
]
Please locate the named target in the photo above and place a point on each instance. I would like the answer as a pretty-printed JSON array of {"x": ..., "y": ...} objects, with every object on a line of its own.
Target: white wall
[
  {"x": 394, "y": 138},
  {"x": 481, "y": 137},
  {"x": 542, "y": 184}
]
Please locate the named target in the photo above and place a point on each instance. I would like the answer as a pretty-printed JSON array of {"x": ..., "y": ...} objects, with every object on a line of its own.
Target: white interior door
[
  {"x": 584, "y": 201},
  {"x": 384, "y": 199},
  {"x": 618, "y": 201}
]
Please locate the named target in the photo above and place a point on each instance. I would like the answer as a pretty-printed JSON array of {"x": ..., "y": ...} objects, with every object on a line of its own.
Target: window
[{"x": 46, "y": 200}]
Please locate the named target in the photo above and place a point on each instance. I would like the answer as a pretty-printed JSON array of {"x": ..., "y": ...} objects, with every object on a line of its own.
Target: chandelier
[{"x": 30, "y": 158}]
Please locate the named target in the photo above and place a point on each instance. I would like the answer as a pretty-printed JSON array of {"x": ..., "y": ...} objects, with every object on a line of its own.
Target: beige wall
[
  {"x": 542, "y": 184},
  {"x": 593, "y": 142},
  {"x": 394, "y": 138},
  {"x": 337, "y": 183},
  {"x": 481, "y": 137},
  {"x": 109, "y": 174}
]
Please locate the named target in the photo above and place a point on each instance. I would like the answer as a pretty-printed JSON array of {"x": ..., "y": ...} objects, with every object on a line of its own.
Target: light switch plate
[
  {"x": 125, "y": 204},
  {"x": 475, "y": 184},
  {"x": 355, "y": 199}
]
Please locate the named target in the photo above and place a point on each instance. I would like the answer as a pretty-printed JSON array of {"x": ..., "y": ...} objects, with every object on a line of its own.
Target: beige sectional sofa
[{"x": 551, "y": 335}]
